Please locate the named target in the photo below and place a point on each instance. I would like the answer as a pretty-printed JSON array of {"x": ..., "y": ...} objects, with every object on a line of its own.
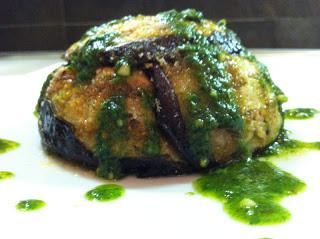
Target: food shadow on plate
[{"x": 129, "y": 182}]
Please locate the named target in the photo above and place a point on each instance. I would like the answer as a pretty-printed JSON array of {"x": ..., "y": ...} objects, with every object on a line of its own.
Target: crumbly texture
[
  {"x": 238, "y": 80},
  {"x": 80, "y": 104},
  {"x": 257, "y": 102},
  {"x": 136, "y": 28}
]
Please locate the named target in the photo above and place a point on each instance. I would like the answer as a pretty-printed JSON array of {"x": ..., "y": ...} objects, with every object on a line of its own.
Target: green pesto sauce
[
  {"x": 215, "y": 104},
  {"x": 5, "y": 175},
  {"x": 30, "y": 205},
  {"x": 86, "y": 61},
  {"x": 105, "y": 193},
  {"x": 190, "y": 193},
  {"x": 300, "y": 113},
  {"x": 251, "y": 191},
  {"x": 284, "y": 146},
  {"x": 111, "y": 137},
  {"x": 7, "y": 145},
  {"x": 89, "y": 57}
]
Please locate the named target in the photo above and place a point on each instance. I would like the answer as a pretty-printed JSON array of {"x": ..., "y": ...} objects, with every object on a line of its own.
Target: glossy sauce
[
  {"x": 7, "y": 145},
  {"x": 105, "y": 193},
  {"x": 5, "y": 175},
  {"x": 251, "y": 191},
  {"x": 300, "y": 113},
  {"x": 30, "y": 205}
]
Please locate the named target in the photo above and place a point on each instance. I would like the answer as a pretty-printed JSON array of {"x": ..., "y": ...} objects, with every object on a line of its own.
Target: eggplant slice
[
  {"x": 168, "y": 115},
  {"x": 144, "y": 51},
  {"x": 58, "y": 138},
  {"x": 182, "y": 79}
]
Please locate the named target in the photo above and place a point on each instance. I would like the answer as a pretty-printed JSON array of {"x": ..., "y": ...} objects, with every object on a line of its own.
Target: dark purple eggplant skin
[
  {"x": 144, "y": 51},
  {"x": 150, "y": 50},
  {"x": 58, "y": 138},
  {"x": 169, "y": 117}
]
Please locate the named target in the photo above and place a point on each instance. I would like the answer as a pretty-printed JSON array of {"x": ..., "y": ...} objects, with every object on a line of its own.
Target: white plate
[{"x": 151, "y": 208}]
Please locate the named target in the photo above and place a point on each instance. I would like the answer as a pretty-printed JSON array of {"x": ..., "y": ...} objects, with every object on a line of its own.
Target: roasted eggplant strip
[
  {"x": 144, "y": 51},
  {"x": 169, "y": 117},
  {"x": 57, "y": 137},
  {"x": 158, "y": 95}
]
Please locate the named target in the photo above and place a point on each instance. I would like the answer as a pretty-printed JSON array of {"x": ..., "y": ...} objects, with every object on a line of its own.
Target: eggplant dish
[{"x": 159, "y": 95}]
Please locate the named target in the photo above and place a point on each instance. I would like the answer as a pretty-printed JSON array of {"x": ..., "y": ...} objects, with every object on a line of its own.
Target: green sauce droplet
[
  {"x": 251, "y": 191},
  {"x": 190, "y": 193},
  {"x": 30, "y": 205},
  {"x": 7, "y": 145},
  {"x": 300, "y": 113},
  {"x": 5, "y": 175},
  {"x": 105, "y": 193}
]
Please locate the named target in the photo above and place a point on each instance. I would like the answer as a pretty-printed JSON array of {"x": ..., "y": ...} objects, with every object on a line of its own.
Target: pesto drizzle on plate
[
  {"x": 5, "y": 175},
  {"x": 7, "y": 145},
  {"x": 30, "y": 205},
  {"x": 251, "y": 191},
  {"x": 105, "y": 193},
  {"x": 284, "y": 145},
  {"x": 300, "y": 113}
]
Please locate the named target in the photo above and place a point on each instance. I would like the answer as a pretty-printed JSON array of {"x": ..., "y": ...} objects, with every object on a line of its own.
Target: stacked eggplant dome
[{"x": 159, "y": 95}]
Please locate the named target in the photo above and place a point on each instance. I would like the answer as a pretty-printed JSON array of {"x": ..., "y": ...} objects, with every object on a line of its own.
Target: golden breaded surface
[
  {"x": 222, "y": 101},
  {"x": 257, "y": 102},
  {"x": 137, "y": 28},
  {"x": 133, "y": 29},
  {"x": 79, "y": 105}
]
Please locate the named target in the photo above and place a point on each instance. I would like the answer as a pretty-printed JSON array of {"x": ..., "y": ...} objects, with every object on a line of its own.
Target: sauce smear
[
  {"x": 5, "y": 175},
  {"x": 251, "y": 191},
  {"x": 30, "y": 205},
  {"x": 7, "y": 145},
  {"x": 284, "y": 145},
  {"x": 105, "y": 193},
  {"x": 300, "y": 113}
]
